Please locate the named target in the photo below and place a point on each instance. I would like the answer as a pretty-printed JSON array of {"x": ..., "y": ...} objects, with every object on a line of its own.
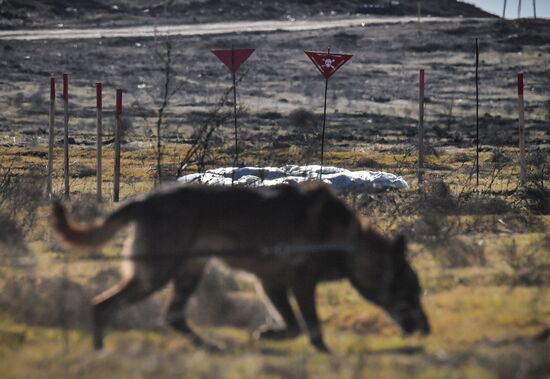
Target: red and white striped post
[
  {"x": 51, "y": 136},
  {"x": 118, "y": 127},
  {"x": 421, "y": 128},
  {"x": 66, "y": 134},
  {"x": 99, "y": 137},
  {"x": 521, "y": 111}
]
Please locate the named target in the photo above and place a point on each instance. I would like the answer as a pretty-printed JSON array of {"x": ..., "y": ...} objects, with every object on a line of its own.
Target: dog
[{"x": 290, "y": 236}]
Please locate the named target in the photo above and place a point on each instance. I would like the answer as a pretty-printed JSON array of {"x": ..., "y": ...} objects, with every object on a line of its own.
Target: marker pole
[
  {"x": 236, "y": 160},
  {"x": 324, "y": 123},
  {"x": 521, "y": 110},
  {"x": 477, "y": 112},
  {"x": 234, "y": 78},
  {"x": 116, "y": 182},
  {"x": 323, "y": 131},
  {"x": 421, "y": 129},
  {"x": 66, "y": 134},
  {"x": 233, "y": 58},
  {"x": 51, "y": 136},
  {"x": 99, "y": 138},
  {"x": 504, "y": 10}
]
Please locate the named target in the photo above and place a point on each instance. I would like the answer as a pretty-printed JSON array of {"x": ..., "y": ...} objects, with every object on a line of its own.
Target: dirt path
[{"x": 211, "y": 28}]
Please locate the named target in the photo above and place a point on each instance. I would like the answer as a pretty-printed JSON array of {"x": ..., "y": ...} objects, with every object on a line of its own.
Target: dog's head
[{"x": 383, "y": 275}]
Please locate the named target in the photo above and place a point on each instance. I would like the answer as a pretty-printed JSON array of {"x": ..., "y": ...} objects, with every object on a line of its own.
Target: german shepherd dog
[{"x": 171, "y": 225}]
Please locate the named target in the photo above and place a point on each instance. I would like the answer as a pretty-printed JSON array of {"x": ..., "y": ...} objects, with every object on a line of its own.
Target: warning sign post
[
  {"x": 233, "y": 59},
  {"x": 327, "y": 64}
]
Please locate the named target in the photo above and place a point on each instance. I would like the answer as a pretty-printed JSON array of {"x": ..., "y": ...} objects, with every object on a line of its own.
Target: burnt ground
[
  {"x": 36, "y": 13},
  {"x": 372, "y": 99}
]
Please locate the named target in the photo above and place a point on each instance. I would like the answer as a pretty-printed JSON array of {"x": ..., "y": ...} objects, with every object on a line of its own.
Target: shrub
[
  {"x": 20, "y": 196},
  {"x": 12, "y": 240},
  {"x": 307, "y": 124}
]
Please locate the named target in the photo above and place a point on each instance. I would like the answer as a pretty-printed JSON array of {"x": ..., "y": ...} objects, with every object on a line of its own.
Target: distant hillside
[{"x": 15, "y": 13}]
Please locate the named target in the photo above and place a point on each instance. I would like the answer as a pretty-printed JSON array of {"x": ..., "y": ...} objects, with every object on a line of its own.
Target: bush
[
  {"x": 84, "y": 207},
  {"x": 12, "y": 239},
  {"x": 20, "y": 197},
  {"x": 306, "y": 123}
]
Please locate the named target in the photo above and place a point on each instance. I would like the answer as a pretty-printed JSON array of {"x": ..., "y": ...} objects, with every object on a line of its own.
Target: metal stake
[
  {"x": 118, "y": 127},
  {"x": 421, "y": 130},
  {"x": 477, "y": 112},
  {"x": 521, "y": 111},
  {"x": 99, "y": 125},
  {"x": 323, "y": 132},
  {"x": 51, "y": 136},
  {"x": 66, "y": 134},
  {"x": 236, "y": 160}
]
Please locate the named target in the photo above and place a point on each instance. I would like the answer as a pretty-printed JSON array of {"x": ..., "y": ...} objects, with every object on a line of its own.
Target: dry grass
[
  {"x": 482, "y": 252},
  {"x": 482, "y": 256}
]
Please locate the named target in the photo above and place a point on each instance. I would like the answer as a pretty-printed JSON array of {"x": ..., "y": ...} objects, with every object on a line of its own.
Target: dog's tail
[{"x": 94, "y": 234}]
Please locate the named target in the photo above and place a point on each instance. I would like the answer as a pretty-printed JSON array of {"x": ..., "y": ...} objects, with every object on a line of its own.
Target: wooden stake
[
  {"x": 116, "y": 183},
  {"x": 51, "y": 136},
  {"x": 421, "y": 129},
  {"x": 66, "y": 134},
  {"x": 99, "y": 139},
  {"x": 521, "y": 109}
]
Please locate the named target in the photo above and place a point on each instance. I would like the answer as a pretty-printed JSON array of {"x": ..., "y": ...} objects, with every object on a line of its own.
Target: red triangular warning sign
[
  {"x": 328, "y": 63},
  {"x": 233, "y": 58}
]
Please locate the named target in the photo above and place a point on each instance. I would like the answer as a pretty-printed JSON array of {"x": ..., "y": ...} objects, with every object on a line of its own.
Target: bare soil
[
  {"x": 372, "y": 99},
  {"x": 39, "y": 14}
]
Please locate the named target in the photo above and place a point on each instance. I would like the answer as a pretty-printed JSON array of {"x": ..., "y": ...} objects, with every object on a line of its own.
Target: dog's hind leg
[
  {"x": 185, "y": 283},
  {"x": 131, "y": 290},
  {"x": 278, "y": 295}
]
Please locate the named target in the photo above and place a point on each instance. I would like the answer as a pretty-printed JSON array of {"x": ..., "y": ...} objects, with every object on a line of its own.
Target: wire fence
[{"x": 68, "y": 261}]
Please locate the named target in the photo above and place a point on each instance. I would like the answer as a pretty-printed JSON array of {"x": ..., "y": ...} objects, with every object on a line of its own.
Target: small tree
[
  {"x": 168, "y": 87},
  {"x": 200, "y": 147}
]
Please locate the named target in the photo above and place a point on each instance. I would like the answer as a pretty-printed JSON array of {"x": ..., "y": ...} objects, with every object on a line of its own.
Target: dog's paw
[{"x": 275, "y": 334}]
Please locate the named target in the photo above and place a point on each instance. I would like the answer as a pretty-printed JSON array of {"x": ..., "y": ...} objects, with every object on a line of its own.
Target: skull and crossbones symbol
[{"x": 328, "y": 63}]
